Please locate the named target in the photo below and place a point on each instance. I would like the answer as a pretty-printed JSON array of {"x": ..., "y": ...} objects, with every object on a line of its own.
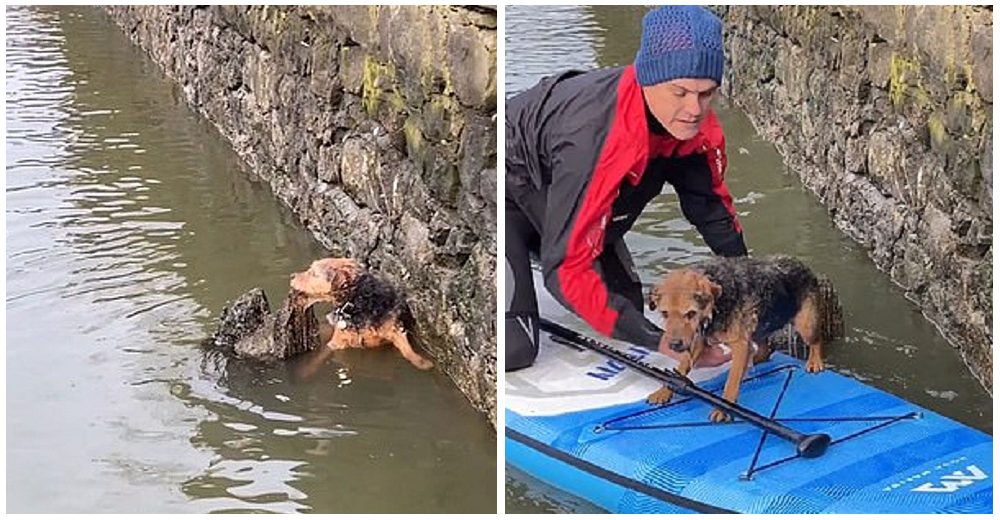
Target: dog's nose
[{"x": 677, "y": 345}]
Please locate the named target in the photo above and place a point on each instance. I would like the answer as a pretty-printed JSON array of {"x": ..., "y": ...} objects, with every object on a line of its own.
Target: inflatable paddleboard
[{"x": 578, "y": 420}]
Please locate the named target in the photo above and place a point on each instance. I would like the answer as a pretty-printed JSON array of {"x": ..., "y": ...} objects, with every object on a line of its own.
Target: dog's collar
[
  {"x": 702, "y": 331},
  {"x": 703, "y": 326},
  {"x": 726, "y": 349},
  {"x": 339, "y": 317},
  {"x": 342, "y": 310}
]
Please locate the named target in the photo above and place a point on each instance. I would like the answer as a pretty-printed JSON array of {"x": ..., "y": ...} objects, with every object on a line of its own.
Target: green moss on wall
[
  {"x": 414, "y": 138},
  {"x": 905, "y": 82},
  {"x": 935, "y": 127},
  {"x": 378, "y": 82}
]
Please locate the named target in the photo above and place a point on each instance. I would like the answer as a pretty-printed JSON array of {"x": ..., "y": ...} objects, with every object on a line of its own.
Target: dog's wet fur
[
  {"x": 372, "y": 301},
  {"x": 367, "y": 310},
  {"x": 737, "y": 301}
]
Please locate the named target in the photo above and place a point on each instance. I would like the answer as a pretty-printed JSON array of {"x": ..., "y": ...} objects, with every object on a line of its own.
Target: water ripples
[{"x": 569, "y": 34}]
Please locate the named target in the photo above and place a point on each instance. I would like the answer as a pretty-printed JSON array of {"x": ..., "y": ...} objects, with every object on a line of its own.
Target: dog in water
[
  {"x": 367, "y": 311},
  {"x": 738, "y": 302}
]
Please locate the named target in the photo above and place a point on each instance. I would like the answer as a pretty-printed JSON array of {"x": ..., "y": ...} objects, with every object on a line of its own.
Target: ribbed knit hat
[{"x": 680, "y": 41}]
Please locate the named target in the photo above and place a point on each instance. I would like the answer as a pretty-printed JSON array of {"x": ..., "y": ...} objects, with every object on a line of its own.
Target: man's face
[{"x": 680, "y": 104}]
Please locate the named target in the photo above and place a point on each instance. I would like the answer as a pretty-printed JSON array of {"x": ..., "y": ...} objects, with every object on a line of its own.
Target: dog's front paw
[
  {"x": 718, "y": 415},
  {"x": 661, "y": 396},
  {"x": 422, "y": 364},
  {"x": 814, "y": 365}
]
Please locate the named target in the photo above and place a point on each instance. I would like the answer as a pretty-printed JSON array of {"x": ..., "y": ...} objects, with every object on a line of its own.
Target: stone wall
[
  {"x": 376, "y": 126},
  {"x": 886, "y": 114}
]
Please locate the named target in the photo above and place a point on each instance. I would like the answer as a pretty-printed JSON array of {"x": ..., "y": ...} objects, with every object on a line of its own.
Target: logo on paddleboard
[
  {"x": 953, "y": 481},
  {"x": 950, "y": 482}
]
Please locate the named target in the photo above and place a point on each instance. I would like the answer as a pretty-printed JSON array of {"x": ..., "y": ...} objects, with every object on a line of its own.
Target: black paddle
[{"x": 808, "y": 446}]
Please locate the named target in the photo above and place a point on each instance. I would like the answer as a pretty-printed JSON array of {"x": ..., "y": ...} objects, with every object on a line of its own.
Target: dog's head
[
  {"x": 686, "y": 300},
  {"x": 326, "y": 280}
]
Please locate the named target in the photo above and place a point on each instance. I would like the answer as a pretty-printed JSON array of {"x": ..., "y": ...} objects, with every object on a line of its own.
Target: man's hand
[{"x": 711, "y": 355}]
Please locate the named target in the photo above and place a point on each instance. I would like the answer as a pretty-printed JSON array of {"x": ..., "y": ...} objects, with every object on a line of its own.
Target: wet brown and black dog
[
  {"x": 736, "y": 301},
  {"x": 367, "y": 311}
]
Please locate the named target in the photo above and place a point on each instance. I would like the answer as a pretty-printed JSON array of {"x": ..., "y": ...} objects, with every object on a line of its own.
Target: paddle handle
[{"x": 807, "y": 446}]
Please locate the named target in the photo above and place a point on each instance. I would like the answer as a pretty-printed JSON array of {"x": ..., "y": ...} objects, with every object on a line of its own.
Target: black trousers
[
  {"x": 521, "y": 309},
  {"x": 523, "y": 240}
]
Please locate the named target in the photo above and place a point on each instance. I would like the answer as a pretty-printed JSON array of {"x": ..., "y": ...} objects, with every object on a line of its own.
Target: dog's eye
[{"x": 690, "y": 315}]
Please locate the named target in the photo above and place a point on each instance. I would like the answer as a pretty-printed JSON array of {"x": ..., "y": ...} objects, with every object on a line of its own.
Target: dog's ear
[
  {"x": 654, "y": 297},
  {"x": 338, "y": 279},
  {"x": 340, "y": 272},
  {"x": 336, "y": 276},
  {"x": 708, "y": 292},
  {"x": 715, "y": 289}
]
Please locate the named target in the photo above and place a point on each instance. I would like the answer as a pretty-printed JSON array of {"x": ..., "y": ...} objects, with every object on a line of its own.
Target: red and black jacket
[{"x": 581, "y": 152}]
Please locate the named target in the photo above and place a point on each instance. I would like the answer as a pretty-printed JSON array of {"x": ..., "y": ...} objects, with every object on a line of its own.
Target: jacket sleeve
[
  {"x": 578, "y": 209},
  {"x": 706, "y": 202}
]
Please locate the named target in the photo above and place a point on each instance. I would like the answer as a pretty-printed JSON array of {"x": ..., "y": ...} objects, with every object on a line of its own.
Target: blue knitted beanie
[{"x": 680, "y": 41}]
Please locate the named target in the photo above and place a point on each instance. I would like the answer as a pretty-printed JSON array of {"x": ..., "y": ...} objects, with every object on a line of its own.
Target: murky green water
[
  {"x": 888, "y": 345},
  {"x": 129, "y": 224}
]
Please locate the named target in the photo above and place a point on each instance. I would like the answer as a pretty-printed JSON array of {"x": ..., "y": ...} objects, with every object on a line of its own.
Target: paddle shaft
[{"x": 808, "y": 446}]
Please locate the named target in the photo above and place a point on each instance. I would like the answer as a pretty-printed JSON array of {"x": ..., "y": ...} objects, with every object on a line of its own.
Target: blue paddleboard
[{"x": 579, "y": 422}]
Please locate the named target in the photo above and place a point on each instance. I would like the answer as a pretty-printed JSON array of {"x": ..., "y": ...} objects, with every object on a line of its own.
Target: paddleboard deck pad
[{"x": 578, "y": 420}]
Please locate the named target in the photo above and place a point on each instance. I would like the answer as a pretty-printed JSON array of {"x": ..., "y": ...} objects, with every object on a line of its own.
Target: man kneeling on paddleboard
[{"x": 587, "y": 151}]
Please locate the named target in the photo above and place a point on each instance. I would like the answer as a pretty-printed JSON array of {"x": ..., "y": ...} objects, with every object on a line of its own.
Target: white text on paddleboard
[{"x": 611, "y": 368}]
